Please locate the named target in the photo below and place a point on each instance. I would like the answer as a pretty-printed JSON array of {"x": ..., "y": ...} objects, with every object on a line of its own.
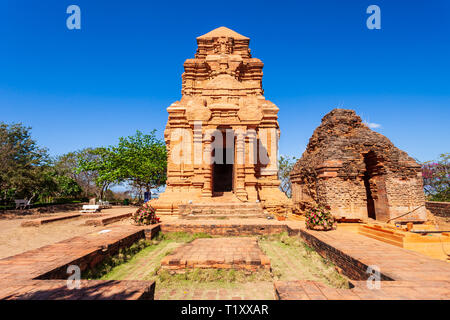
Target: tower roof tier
[{"x": 223, "y": 32}]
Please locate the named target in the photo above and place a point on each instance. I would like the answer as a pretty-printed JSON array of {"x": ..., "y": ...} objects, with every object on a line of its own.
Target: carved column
[
  {"x": 207, "y": 167},
  {"x": 240, "y": 192},
  {"x": 251, "y": 145},
  {"x": 250, "y": 165}
]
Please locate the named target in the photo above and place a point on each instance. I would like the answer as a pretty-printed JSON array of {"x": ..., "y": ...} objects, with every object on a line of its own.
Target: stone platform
[{"x": 220, "y": 253}]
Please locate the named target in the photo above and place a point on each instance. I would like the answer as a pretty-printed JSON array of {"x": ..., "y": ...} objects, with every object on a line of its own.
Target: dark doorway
[
  {"x": 370, "y": 162},
  {"x": 223, "y": 173}
]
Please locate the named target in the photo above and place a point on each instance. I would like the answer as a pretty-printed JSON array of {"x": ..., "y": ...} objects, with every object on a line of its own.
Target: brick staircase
[
  {"x": 221, "y": 210},
  {"x": 378, "y": 233}
]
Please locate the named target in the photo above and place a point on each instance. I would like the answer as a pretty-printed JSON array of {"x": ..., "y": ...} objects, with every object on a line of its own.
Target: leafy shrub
[
  {"x": 145, "y": 215},
  {"x": 319, "y": 217}
]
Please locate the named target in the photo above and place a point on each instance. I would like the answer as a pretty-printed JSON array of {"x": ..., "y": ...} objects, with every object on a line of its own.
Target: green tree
[
  {"x": 285, "y": 165},
  {"x": 101, "y": 164},
  {"x": 68, "y": 165},
  {"x": 141, "y": 160},
  {"x": 22, "y": 162}
]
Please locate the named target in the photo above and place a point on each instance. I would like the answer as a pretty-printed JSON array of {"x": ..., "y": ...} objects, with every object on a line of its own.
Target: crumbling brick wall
[
  {"x": 358, "y": 172},
  {"x": 441, "y": 209}
]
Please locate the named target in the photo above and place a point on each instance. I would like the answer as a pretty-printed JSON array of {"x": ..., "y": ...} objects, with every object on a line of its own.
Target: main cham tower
[{"x": 222, "y": 136}]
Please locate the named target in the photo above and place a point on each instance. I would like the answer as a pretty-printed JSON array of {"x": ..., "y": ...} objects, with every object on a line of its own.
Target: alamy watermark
[
  {"x": 374, "y": 20},
  {"x": 74, "y": 20},
  {"x": 74, "y": 280},
  {"x": 374, "y": 280}
]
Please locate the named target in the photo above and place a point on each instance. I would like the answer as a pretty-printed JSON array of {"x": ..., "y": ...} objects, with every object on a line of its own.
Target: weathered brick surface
[
  {"x": 227, "y": 228},
  {"x": 38, "y": 222},
  {"x": 349, "y": 266},
  {"x": 389, "y": 290},
  {"x": 27, "y": 275},
  {"x": 108, "y": 219},
  {"x": 353, "y": 253},
  {"x": 89, "y": 290},
  {"x": 50, "y": 262},
  {"x": 441, "y": 209},
  {"x": 404, "y": 274},
  {"x": 348, "y": 166},
  {"x": 221, "y": 253},
  {"x": 151, "y": 231}
]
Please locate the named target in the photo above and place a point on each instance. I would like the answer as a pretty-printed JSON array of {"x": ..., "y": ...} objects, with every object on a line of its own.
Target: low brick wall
[
  {"x": 89, "y": 290},
  {"x": 230, "y": 230},
  {"x": 91, "y": 259},
  {"x": 440, "y": 209},
  {"x": 42, "y": 273},
  {"x": 103, "y": 221},
  {"x": 39, "y": 222},
  {"x": 352, "y": 268},
  {"x": 151, "y": 231}
]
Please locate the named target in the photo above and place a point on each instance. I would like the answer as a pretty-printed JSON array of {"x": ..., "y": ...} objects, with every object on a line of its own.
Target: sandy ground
[{"x": 15, "y": 239}]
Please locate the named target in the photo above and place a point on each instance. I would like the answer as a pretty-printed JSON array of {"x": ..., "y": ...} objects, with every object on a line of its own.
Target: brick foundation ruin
[
  {"x": 218, "y": 253},
  {"x": 358, "y": 172}
]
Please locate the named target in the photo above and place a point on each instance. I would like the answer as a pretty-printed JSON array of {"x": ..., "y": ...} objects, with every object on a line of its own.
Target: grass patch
[
  {"x": 292, "y": 259},
  {"x": 181, "y": 236},
  {"x": 127, "y": 259},
  {"x": 216, "y": 276},
  {"x": 122, "y": 257}
]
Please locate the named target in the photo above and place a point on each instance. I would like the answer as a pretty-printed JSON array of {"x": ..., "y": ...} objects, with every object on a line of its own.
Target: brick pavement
[
  {"x": 389, "y": 290},
  {"x": 89, "y": 290},
  {"x": 32, "y": 270},
  {"x": 406, "y": 274},
  {"x": 353, "y": 253}
]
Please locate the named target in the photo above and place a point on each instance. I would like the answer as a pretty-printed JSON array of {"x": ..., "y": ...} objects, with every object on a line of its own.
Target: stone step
[
  {"x": 221, "y": 216},
  {"x": 225, "y": 210},
  {"x": 387, "y": 237},
  {"x": 221, "y": 210},
  {"x": 225, "y": 205}
]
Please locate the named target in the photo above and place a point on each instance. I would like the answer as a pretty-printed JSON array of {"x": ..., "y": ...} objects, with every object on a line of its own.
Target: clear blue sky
[{"x": 119, "y": 73}]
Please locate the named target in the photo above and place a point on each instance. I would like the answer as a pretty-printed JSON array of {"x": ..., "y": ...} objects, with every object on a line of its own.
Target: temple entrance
[
  {"x": 370, "y": 161},
  {"x": 223, "y": 173}
]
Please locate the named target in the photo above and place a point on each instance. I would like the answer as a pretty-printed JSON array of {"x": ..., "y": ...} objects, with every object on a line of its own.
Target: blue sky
[{"x": 119, "y": 73}]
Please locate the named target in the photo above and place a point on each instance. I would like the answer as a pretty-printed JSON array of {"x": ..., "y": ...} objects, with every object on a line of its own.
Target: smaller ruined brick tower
[{"x": 359, "y": 173}]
